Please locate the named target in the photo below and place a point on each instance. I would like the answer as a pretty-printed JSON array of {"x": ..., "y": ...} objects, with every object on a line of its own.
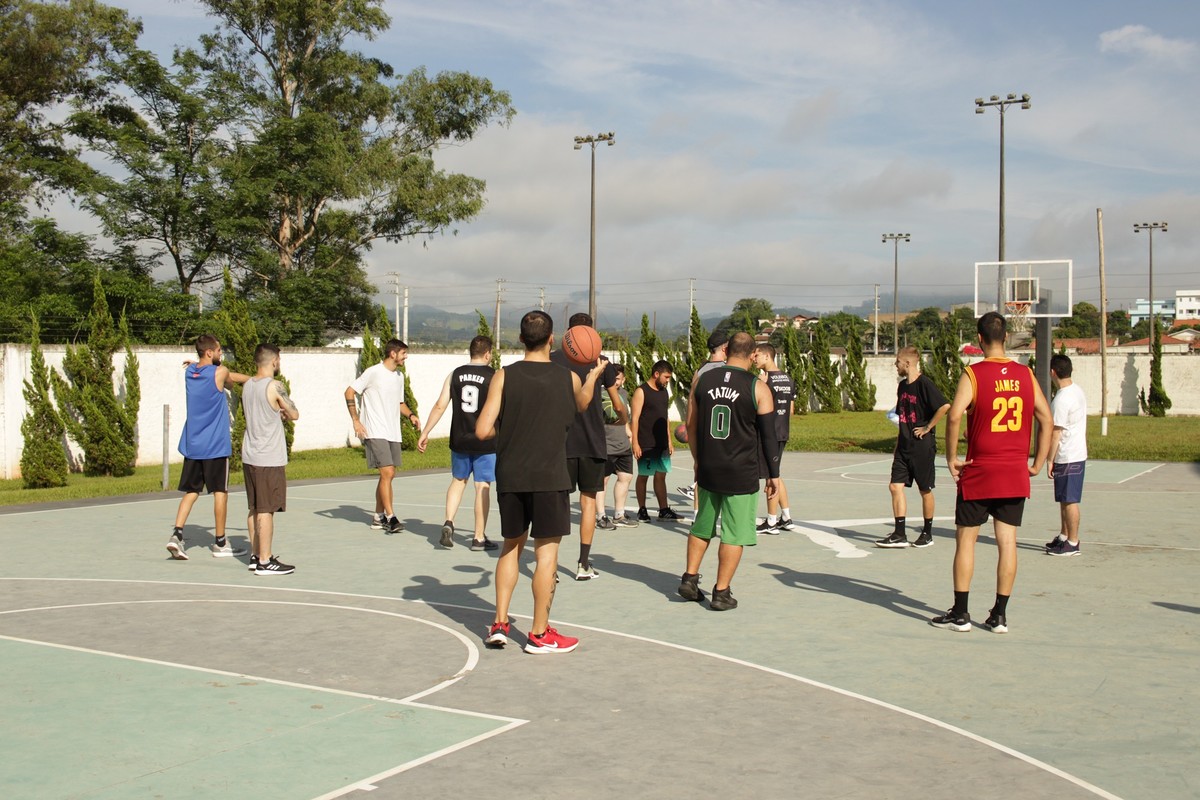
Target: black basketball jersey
[
  {"x": 537, "y": 410},
  {"x": 468, "y": 389},
  {"x": 783, "y": 391},
  {"x": 726, "y": 443}
]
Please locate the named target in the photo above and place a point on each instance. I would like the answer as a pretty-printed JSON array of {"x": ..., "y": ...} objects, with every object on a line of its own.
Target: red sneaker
[
  {"x": 497, "y": 634},
  {"x": 550, "y": 642}
]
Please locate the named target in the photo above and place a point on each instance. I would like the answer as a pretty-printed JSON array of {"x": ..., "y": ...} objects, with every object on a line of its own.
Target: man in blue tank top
[{"x": 205, "y": 444}]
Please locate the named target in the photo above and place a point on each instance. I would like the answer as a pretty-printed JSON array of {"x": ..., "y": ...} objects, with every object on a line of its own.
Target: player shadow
[
  {"x": 876, "y": 594},
  {"x": 1177, "y": 607},
  {"x": 455, "y": 601},
  {"x": 346, "y": 513},
  {"x": 656, "y": 579}
]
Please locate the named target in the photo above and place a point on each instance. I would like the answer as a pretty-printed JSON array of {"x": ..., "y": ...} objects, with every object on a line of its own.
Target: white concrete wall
[{"x": 319, "y": 377}]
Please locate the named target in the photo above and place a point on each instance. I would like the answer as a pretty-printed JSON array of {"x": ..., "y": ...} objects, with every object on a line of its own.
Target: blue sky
[{"x": 763, "y": 147}]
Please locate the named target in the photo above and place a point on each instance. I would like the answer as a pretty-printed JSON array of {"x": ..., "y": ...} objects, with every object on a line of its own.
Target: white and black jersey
[
  {"x": 468, "y": 390},
  {"x": 783, "y": 392},
  {"x": 727, "y": 446}
]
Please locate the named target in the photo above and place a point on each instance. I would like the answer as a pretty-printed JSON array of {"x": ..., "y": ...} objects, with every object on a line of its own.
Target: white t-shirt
[
  {"x": 1069, "y": 408},
  {"x": 382, "y": 393}
]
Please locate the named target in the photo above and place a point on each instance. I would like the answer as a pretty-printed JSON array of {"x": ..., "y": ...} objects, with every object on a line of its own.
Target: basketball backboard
[{"x": 1024, "y": 289}]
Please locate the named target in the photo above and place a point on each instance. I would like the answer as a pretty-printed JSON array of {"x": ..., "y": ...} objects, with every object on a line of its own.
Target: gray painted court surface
[{"x": 128, "y": 675}]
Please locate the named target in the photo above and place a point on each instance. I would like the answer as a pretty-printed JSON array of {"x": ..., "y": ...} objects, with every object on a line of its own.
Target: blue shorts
[
  {"x": 1068, "y": 482},
  {"x": 483, "y": 465}
]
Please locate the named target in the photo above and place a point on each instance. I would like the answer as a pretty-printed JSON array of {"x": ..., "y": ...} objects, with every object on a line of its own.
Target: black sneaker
[
  {"x": 767, "y": 528},
  {"x": 669, "y": 514},
  {"x": 393, "y": 525},
  {"x": 1063, "y": 548},
  {"x": 379, "y": 522},
  {"x": 924, "y": 540},
  {"x": 483, "y": 544},
  {"x": 689, "y": 588},
  {"x": 722, "y": 600},
  {"x": 605, "y": 523},
  {"x": 253, "y": 566},
  {"x": 996, "y": 623},
  {"x": 274, "y": 567},
  {"x": 784, "y": 525},
  {"x": 1055, "y": 542},
  {"x": 954, "y": 622},
  {"x": 643, "y": 515},
  {"x": 894, "y": 539},
  {"x": 447, "y": 534}
]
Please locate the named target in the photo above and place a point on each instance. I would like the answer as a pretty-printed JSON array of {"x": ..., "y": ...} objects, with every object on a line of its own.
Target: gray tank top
[{"x": 264, "y": 444}]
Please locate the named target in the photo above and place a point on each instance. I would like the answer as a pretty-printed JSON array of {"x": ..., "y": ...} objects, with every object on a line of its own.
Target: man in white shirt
[
  {"x": 1068, "y": 455},
  {"x": 383, "y": 407}
]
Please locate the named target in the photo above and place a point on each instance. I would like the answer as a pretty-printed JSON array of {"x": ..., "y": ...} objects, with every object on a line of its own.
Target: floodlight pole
[
  {"x": 1002, "y": 105},
  {"x": 1150, "y": 227},
  {"x": 580, "y": 141},
  {"x": 895, "y": 240}
]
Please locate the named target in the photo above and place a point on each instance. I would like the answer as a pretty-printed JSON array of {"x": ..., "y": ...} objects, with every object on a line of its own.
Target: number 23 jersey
[{"x": 999, "y": 427}]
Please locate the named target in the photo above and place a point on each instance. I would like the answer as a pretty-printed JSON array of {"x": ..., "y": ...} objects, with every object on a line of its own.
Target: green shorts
[
  {"x": 651, "y": 465},
  {"x": 738, "y": 514}
]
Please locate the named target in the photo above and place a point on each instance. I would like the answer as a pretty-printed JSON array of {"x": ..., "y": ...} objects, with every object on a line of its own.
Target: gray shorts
[{"x": 382, "y": 453}]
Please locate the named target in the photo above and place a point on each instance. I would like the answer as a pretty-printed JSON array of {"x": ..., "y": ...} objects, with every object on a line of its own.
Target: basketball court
[{"x": 364, "y": 673}]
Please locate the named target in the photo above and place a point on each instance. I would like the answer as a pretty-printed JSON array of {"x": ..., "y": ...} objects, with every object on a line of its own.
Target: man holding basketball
[
  {"x": 652, "y": 443},
  {"x": 1000, "y": 395},
  {"x": 530, "y": 407},
  {"x": 730, "y": 427},
  {"x": 587, "y": 450},
  {"x": 466, "y": 390}
]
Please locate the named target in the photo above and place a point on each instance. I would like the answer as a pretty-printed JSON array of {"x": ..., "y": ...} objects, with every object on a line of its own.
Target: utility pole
[
  {"x": 404, "y": 338},
  {"x": 895, "y": 238},
  {"x": 496, "y": 325},
  {"x": 1150, "y": 228},
  {"x": 396, "y": 291},
  {"x": 542, "y": 298},
  {"x": 1103, "y": 328}
]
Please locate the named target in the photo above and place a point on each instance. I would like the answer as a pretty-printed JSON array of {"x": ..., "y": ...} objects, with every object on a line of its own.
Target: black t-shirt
[
  {"x": 783, "y": 391},
  {"x": 468, "y": 390},
  {"x": 652, "y": 423},
  {"x": 727, "y": 445},
  {"x": 586, "y": 437},
  {"x": 916, "y": 403},
  {"x": 536, "y": 411}
]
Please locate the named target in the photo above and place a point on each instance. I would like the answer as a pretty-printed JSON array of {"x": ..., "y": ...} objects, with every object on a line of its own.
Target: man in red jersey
[{"x": 998, "y": 394}]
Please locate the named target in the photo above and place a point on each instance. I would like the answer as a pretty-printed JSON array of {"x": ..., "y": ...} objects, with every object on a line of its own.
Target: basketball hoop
[{"x": 1018, "y": 312}]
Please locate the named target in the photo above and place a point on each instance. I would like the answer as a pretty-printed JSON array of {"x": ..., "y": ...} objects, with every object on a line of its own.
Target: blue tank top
[{"x": 206, "y": 429}]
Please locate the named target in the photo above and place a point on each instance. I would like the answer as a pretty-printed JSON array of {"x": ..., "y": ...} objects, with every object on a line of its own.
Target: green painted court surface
[
  {"x": 363, "y": 675},
  {"x": 101, "y": 726}
]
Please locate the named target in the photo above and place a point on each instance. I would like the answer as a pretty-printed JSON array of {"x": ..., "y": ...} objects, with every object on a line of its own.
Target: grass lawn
[{"x": 1129, "y": 439}]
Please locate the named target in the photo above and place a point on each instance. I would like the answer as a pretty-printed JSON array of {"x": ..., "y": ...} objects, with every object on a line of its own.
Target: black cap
[{"x": 717, "y": 339}]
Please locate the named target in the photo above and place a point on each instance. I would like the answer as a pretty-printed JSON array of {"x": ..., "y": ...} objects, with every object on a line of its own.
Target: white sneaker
[
  {"x": 228, "y": 551},
  {"x": 583, "y": 573}
]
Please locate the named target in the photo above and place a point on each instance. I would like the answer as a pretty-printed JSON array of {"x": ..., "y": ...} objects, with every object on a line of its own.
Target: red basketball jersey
[{"x": 999, "y": 425}]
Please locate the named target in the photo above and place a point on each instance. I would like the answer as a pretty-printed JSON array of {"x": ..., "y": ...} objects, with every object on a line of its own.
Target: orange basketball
[{"x": 581, "y": 343}]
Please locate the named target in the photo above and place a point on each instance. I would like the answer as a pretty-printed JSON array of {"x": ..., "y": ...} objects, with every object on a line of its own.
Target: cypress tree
[
  {"x": 43, "y": 458},
  {"x": 860, "y": 392},
  {"x": 825, "y": 374},
  {"x": 1157, "y": 404},
  {"x": 944, "y": 365},
  {"x": 102, "y": 423},
  {"x": 796, "y": 362},
  {"x": 483, "y": 329}
]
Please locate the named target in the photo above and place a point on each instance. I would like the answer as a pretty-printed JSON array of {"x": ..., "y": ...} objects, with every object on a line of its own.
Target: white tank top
[{"x": 264, "y": 444}]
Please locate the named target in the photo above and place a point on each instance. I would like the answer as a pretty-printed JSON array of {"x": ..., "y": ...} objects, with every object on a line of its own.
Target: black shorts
[
  {"x": 543, "y": 514},
  {"x": 973, "y": 513},
  {"x": 266, "y": 488},
  {"x": 210, "y": 473},
  {"x": 762, "y": 460},
  {"x": 621, "y": 463},
  {"x": 587, "y": 473},
  {"x": 915, "y": 466}
]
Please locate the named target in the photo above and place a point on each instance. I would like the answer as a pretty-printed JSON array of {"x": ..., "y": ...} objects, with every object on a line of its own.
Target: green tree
[
  {"x": 645, "y": 352},
  {"x": 1156, "y": 404},
  {"x": 1083, "y": 323},
  {"x": 43, "y": 457},
  {"x": 825, "y": 388},
  {"x": 745, "y": 316},
  {"x": 329, "y": 128},
  {"x": 684, "y": 364},
  {"x": 49, "y": 53},
  {"x": 860, "y": 391},
  {"x": 483, "y": 329},
  {"x": 101, "y": 421},
  {"x": 944, "y": 364},
  {"x": 238, "y": 334},
  {"x": 922, "y": 328},
  {"x": 1118, "y": 324}
]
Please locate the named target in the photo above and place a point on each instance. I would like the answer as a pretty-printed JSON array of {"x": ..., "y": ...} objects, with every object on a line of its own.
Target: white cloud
[
  {"x": 1141, "y": 41},
  {"x": 899, "y": 184}
]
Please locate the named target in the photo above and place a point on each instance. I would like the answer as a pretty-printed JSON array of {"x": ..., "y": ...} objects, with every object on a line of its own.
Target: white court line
[
  {"x": 411, "y": 701},
  {"x": 1140, "y": 474},
  {"x": 684, "y": 648}
]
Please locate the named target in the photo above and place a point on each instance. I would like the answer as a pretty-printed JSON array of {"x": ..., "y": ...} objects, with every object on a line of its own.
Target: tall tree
[
  {"x": 825, "y": 386},
  {"x": 100, "y": 419},
  {"x": 860, "y": 391},
  {"x": 797, "y": 365},
  {"x": 944, "y": 364},
  {"x": 746, "y": 316},
  {"x": 43, "y": 457},
  {"x": 1118, "y": 323},
  {"x": 1156, "y": 403},
  {"x": 645, "y": 353},
  {"x": 325, "y": 127},
  {"x": 483, "y": 329},
  {"x": 1083, "y": 323}
]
